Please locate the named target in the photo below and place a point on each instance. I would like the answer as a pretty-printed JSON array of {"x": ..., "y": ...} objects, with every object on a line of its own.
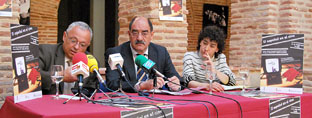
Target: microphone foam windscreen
[
  {"x": 140, "y": 60},
  {"x": 92, "y": 63},
  {"x": 80, "y": 57}
]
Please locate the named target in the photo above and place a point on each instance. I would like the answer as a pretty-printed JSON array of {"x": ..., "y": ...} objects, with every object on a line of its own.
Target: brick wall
[
  {"x": 252, "y": 18},
  {"x": 6, "y": 88},
  {"x": 195, "y": 21},
  {"x": 164, "y": 30},
  {"x": 43, "y": 14}
]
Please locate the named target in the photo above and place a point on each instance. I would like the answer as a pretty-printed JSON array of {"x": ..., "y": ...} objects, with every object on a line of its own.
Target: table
[{"x": 46, "y": 107}]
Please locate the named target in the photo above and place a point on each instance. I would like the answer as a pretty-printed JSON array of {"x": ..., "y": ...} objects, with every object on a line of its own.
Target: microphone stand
[
  {"x": 123, "y": 76},
  {"x": 80, "y": 93},
  {"x": 153, "y": 76},
  {"x": 97, "y": 87}
]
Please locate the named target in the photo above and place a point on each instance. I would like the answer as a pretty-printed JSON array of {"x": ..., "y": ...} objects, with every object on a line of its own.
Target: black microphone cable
[
  {"x": 240, "y": 107},
  {"x": 196, "y": 91},
  {"x": 170, "y": 101},
  {"x": 112, "y": 102},
  {"x": 189, "y": 102},
  {"x": 142, "y": 94},
  {"x": 135, "y": 104},
  {"x": 146, "y": 96}
]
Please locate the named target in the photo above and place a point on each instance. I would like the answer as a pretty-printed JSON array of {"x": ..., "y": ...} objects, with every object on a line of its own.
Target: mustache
[{"x": 139, "y": 42}]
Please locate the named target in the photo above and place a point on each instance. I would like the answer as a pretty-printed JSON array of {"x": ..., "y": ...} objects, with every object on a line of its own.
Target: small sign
[
  {"x": 282, "y": 63},
  {"x": 285, "y": 108},
  {"x": 148, "y": 64},
  {"x": 148, "y": 113},
  {"x": 25, "y": 63}
]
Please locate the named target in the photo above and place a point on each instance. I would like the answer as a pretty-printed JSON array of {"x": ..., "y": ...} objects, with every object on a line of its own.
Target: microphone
[
  {"x": 115, "y": 61},
  {"x": 80, "y": 69},
  {"x": 93, "y": 65},
  {"x": 148, "y": 66}
]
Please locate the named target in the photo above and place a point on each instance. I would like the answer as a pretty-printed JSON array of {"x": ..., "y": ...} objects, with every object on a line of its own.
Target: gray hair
[{"x": 82, "y": 25}]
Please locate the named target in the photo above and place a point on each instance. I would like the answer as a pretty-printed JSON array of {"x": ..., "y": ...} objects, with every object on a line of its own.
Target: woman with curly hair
[{"x": 211, "y": 42}]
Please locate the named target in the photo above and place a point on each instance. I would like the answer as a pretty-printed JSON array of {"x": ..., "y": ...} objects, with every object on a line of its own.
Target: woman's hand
[
  {"x": 216, "y": 87},
  {"x": 209, "y": 62}
]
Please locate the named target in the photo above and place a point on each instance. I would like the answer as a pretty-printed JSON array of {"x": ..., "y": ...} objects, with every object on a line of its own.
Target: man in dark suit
[
  {"x": 141, "y": 33},
  {"x": 76, "y": 38}
]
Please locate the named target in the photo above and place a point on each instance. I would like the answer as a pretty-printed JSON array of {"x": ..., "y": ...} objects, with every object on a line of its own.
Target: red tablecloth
[{"x": 46, "y": 107}]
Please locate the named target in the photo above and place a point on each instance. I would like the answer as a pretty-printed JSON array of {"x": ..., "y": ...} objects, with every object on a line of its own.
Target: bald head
[{"x": 140, "y": 17}]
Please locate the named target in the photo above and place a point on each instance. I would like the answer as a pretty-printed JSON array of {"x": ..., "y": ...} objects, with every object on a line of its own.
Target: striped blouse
[{"x": 192, "y": 68}]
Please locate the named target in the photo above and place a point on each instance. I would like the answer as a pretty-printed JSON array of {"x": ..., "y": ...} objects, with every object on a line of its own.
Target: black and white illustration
[{"x": 216, "y": 15}]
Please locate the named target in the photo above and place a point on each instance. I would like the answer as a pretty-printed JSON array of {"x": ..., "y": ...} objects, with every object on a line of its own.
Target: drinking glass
[
  {"x": 57, "y": 74},
  {"x": 243, "y": 75},
  {"x": 210, "y": 76}
]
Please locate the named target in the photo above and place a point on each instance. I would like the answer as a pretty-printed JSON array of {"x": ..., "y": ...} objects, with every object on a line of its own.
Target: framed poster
[
  {"x": 24, "y": 12},
  {"x": 5, "y": 7},
  {"x": 170, "y": 10},
  {"x": 216, "y": 15},
  {"x": 282, "y": 63}
]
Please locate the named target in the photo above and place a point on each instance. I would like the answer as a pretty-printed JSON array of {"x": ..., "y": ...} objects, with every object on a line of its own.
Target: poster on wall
[
  {"x": 25, "y": 63},
  {"x": 24, "y": 6},
  {"x": 282, "y": 63},
  {"x": 170, "y": 10},
  {"x": 216, "y": 15},
  {"x": 5, "y": 7}
]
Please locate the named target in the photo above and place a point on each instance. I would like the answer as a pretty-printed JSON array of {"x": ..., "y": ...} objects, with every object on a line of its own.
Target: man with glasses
[
  {"x": 141, "y": 33},
  {"x": 76, "y": 38}
]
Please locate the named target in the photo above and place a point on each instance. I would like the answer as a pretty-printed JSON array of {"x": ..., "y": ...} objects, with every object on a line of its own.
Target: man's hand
[
  {"x": 174, "y": 86},
  {"x": 68, "y": 76},
  {"x": 148, "y": 84}
]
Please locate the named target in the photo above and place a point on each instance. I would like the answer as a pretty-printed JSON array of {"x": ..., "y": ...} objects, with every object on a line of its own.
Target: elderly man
[
  {"x": 76, "y": 38},
  {"x": 141, "y": 33}
]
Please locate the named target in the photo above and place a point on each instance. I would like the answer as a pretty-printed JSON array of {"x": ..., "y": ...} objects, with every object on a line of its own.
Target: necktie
[{"x": 141, "y": 75}]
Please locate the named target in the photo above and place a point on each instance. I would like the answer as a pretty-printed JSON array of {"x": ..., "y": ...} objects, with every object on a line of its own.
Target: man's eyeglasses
[
  {"x": 74, "y": 41},
  {"x": 137, "y": 33}
]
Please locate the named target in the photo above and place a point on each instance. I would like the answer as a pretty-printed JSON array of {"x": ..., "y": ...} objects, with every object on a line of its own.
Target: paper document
[
  {"x": 232, "y": 87},
  {"x": 183, "y": 92},
  {"x": 69, "y": 96}
]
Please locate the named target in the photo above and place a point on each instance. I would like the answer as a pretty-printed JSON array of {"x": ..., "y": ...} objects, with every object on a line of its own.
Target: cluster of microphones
[{"x": 83, "y": 64}]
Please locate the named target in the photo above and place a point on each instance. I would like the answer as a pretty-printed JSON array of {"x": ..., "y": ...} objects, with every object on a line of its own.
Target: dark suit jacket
[
  {"x": 53, "y": 54},
  {"x": 156, "y": 53}
]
